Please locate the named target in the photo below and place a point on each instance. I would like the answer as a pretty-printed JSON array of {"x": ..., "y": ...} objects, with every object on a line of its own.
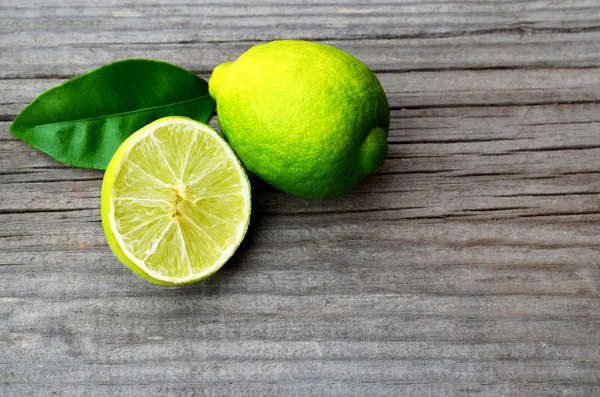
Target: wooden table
[{"x": 468, "y": 266}]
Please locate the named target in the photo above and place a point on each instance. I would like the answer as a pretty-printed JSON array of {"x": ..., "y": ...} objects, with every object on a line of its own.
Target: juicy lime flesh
[{"x": 180, "y": 202}]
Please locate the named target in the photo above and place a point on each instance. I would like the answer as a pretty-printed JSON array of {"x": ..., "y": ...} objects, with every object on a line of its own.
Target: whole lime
[{"x": 308, "y": 118}]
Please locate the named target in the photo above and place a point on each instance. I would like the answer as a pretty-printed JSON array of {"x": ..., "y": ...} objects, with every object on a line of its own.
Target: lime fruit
[
  {"x": 306, "y": 117},
  {"x": 175, "y": 201}
]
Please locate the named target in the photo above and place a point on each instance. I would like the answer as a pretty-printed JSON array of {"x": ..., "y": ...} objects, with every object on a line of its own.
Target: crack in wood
[
  {"x": 90, "y": 179},
  {"x": 329, "y": 212},
  {"x": 559, "y": 213},
  {"x": 491, "y": 209},
  {"x": 452, "y": 140},
  {"x": 495, "y": 105},
  {"x": 42, "y": 210},
  {"x": 580, "y": 193},
  {"x": 557, "y": 148}
]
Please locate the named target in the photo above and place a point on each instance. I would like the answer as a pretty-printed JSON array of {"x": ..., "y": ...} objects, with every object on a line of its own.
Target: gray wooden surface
[{"x": 468, "y": 266}]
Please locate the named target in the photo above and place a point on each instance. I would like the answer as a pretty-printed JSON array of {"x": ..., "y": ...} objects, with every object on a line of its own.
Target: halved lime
[{"x": 175, "y": 201}]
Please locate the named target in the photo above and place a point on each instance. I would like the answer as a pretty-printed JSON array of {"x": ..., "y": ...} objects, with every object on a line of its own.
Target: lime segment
[{"x": 175, "y": 201}]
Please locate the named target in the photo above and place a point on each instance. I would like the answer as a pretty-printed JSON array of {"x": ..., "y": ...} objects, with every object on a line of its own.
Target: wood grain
[{"x": 469, "y": 265}]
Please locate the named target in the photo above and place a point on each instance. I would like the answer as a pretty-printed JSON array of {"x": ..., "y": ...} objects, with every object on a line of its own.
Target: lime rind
[{"x": 308, "y": 118}]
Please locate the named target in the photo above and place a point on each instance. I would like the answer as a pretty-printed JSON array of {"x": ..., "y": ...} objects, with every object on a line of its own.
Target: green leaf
[{"x": 83, "y": 121}]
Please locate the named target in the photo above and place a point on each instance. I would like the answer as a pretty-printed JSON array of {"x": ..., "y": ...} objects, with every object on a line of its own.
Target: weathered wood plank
[
  {"x": 416, "y": 89},
  {"x": 60, "y": 23},
  {"x": 307, "y": 387},
  {"x": 541, "y": 50},
  {"x": 459, "y": 257},
  {"x": 317, "y": 370}
]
